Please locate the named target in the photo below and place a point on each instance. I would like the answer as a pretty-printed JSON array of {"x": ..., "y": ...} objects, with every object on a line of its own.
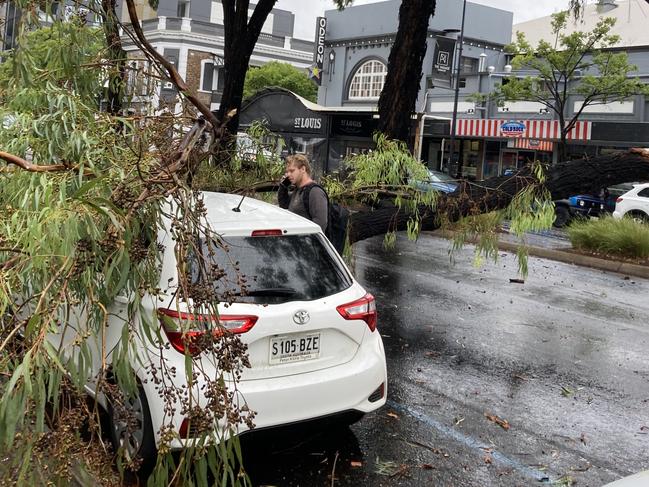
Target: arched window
[{"x": 368, "y": 80}]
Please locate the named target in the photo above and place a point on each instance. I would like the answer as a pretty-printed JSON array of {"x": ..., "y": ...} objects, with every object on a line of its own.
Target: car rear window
[{"x": 275, "y": 269}]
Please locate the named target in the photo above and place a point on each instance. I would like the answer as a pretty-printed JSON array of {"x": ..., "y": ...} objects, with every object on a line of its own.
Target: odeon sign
[{"x": 512, "y": 129}]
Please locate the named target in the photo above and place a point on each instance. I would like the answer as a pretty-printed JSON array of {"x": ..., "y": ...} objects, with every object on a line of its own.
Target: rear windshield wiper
[{"x": 270, "y": 291}]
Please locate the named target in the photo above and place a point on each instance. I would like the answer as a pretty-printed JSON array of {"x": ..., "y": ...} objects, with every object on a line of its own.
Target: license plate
[{"x": 294, "y": 348}]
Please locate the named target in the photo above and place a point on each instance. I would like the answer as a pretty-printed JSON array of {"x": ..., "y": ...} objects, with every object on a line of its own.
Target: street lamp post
[{"x": 458, "y": 171}]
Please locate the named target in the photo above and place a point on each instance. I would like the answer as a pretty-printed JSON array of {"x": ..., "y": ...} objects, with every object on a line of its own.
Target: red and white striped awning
[
  {"x": 533, "y": 144},
  {"x": 534, "y": 129}
]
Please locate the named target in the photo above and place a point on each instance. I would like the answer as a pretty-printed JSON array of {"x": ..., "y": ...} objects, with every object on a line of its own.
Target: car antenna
[{"x": 237, "y": 209}]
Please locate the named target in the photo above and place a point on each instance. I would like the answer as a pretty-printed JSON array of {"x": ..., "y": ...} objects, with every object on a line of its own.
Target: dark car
[
  {"x": 438, "y": 181},
  {"x": 587, "y": 205}
]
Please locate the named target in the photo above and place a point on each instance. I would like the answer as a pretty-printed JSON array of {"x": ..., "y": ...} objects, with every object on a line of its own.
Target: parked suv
[
  {"x": 310, "y": 328},
  {"x": 634, "y": 203}
]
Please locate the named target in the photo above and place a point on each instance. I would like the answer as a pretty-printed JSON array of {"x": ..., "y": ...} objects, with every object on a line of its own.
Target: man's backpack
[{"x": 337, "y": 218}]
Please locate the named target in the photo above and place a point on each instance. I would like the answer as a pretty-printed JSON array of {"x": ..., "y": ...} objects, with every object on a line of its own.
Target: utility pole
[{"x": 458, "y": 171}]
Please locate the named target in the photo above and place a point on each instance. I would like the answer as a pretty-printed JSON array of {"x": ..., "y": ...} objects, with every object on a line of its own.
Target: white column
[
  {"x": 186, "y": 24},
  {"x": 162, "y": 23},
  {"x": 183, "y": 55}
]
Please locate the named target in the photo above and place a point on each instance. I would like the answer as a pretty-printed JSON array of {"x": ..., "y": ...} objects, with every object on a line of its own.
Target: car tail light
[
  {"x": 361, "y": 309},
  {"x": 188, "y": 429},
  {"x": 619, "y": 199},
  {"x": 182, "y": 342},
  {"x": 266, "y": 233}
]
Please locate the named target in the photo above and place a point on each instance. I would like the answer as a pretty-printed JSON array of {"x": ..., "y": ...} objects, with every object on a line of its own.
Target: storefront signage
[
  {"x": 315, "y": 70},
  {"x": 353, "y": 125},
  {"x": 443, "y": 62},
  {"x": 307, "y": 123},
  {"x": 512, "y": 129}
]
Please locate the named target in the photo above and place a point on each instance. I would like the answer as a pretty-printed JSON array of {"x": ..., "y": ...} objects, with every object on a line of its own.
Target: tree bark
[
  {"x": 240, "y": 38},
  {"x": 397, "y": 100},
  {"x": 564, "y": 179}
]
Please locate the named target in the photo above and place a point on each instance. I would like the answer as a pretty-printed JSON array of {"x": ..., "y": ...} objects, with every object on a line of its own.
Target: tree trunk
[
  {"x": 397, "y": 100},
  {"x": 240, "y": 38},
  {"x": 587, "y": 175},
  {"x": 115, "y": 93}
]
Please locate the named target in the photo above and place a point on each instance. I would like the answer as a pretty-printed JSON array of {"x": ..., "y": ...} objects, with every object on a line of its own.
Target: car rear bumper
[
  {"x": 618, "y": 214},
  {"x": 302, "y": 397}
]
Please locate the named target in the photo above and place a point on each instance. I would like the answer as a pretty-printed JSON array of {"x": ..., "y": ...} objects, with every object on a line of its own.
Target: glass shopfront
[{"x": 472, "y": 159}]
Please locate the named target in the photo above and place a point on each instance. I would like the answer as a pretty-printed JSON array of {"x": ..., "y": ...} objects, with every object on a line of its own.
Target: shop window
[
  {"x": 491, "y": 159},
  {"x": 472, "y": 159},
  {"x": 462, "y": 83},
  {"x": 368, "y": 81}
]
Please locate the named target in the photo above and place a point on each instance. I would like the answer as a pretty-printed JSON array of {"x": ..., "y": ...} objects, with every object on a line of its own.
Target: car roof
[{"x": 253, "y": 214}]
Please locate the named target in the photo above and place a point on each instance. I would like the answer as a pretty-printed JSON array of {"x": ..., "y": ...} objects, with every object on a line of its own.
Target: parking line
[{"x": 471, "y": 443}]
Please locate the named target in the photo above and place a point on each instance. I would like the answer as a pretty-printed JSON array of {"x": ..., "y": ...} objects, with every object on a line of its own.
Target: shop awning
[
  {"x": 525, "y": 129},
  {"x": 533, "y": 144}
]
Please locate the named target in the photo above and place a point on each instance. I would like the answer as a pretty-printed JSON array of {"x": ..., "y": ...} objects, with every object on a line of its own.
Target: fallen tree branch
[
  {"x": 587, "y": 175},
  {"x": 28, "y": 166},
  {"x": 174, "y": 76}
]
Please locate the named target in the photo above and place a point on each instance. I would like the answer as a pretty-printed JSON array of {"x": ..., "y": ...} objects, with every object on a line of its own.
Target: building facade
[
  {"x": 490, "y": 139},
  {"x": 190, "y": 34}
]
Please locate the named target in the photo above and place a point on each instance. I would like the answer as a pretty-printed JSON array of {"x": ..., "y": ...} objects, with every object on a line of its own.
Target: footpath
[{"x": 553, "y": 246}]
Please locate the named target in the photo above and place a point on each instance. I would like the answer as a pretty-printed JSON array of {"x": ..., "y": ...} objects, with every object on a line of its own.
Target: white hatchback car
[
  {"x": 310, "y": 328},
  {"x": 634, "y": 203}
]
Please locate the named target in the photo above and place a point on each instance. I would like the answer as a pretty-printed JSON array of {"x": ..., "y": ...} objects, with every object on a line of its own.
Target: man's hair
[{"x": 299, "y": 161}]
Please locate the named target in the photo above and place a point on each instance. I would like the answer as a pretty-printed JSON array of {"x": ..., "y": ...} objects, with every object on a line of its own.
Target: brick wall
[{"x": 193, "y": 76}]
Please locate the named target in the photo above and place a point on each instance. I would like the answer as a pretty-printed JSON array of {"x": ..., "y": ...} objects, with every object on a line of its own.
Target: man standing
[{"x": 307, "y": 199}]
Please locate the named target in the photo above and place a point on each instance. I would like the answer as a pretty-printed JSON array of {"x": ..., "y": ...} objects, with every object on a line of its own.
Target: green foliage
[
  {"x": 73, "y": 239},
  {"x": 577, "y": 65},
  {"x": 387, "y": 172},
  {"x": 256, "y": 160},
  {"x": 531, "y": 210},
  {"x": 624, "y": 237},
  {"x": 280, "y": 74}
]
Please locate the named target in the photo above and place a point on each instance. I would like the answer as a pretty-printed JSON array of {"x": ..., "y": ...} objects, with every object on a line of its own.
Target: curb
[{"x": 569, "y": 258}]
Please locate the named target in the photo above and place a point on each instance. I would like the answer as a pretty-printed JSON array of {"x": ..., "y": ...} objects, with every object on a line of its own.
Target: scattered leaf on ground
[
  {"x": 566, "y": 391},
  {"x": 458, "y": 420},
  {"x": 436, "y": 451},
  {"x": 393, "y": 415},
  {"x": 385, "y": 467},
  {"x": 427, "y": 466},
  {"x": 488, "y": 459},
  {"x": 517, "y": 281},
  {"x": 391, "y": 469},
  {"x": 564, "y": 481},
  {"x": 356, "y": 464},
  {"x": 503, "y": 423},
  {"x": 582, "y": 438}
]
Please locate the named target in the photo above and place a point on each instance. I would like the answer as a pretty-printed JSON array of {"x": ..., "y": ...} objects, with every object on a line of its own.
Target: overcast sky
[{"x": 307, "y": 10}]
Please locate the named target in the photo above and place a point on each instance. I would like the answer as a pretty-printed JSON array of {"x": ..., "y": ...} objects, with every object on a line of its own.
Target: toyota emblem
[{"x": 301, "y": 317}]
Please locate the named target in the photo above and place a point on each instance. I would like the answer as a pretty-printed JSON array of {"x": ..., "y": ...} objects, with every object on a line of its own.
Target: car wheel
[
  {"x": 639, "y": 217},
  {"x": 561, "y": 216},
  {"x": 131, "y": 432}
]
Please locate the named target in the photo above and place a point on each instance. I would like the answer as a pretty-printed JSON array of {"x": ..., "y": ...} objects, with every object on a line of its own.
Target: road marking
[{"x": 472, "y": 443}]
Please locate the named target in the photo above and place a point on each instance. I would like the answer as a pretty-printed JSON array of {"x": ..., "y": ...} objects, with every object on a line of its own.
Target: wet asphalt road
[{"x": 563, "y": 358}]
